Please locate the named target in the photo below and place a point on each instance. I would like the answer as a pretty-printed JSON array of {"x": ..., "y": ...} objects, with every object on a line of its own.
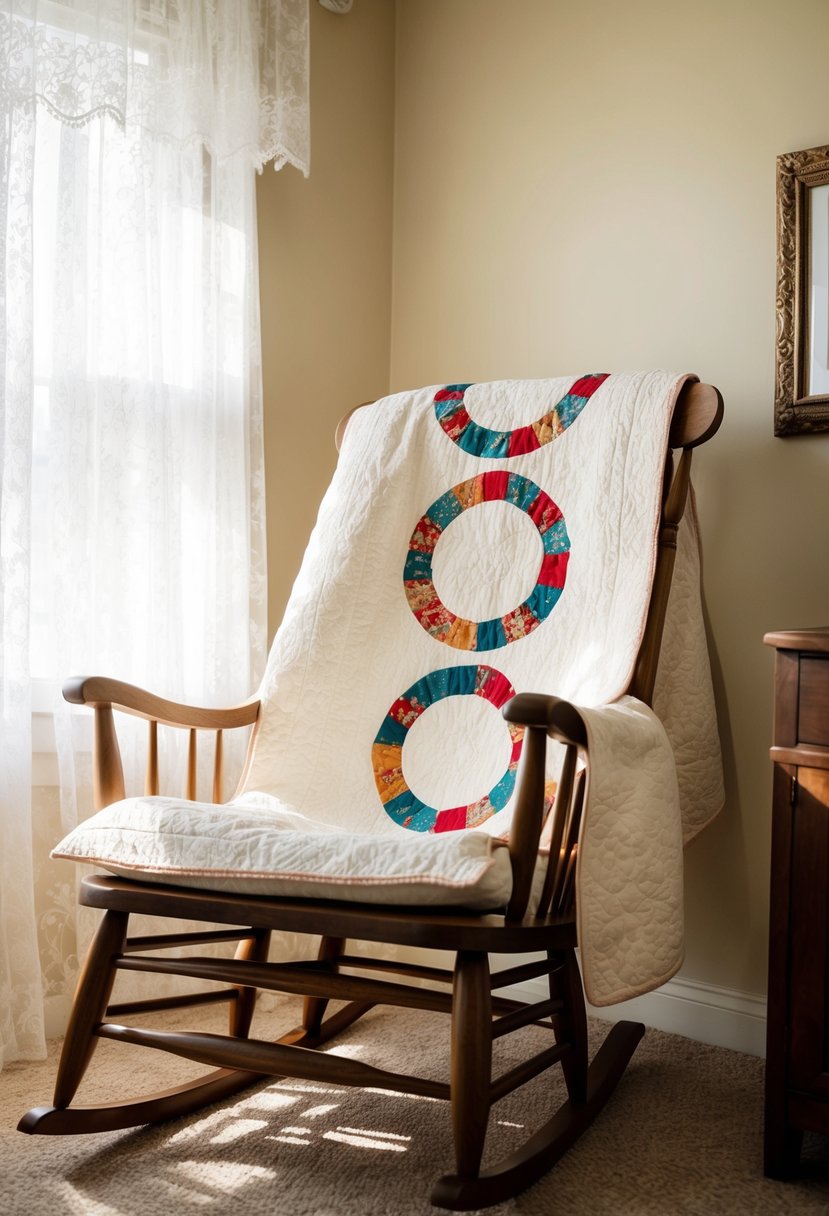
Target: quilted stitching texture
[
  {"x": 629, "y": 874},
  {"x": 257, "y": 846}
]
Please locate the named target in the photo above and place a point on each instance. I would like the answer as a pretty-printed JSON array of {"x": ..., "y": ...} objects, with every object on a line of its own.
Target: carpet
[{"x": 682, "y": 1135}]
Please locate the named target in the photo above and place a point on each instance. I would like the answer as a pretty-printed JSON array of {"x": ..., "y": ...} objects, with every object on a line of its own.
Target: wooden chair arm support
[
  {"x": 560, "y": 719},
  {"x": 542, "y": 715},
  {"x": 98, "y": 691}
]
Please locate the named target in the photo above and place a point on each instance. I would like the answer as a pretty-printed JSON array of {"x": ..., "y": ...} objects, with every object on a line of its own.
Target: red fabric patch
[
  {"x": 587, "y": 386},
  {"x": 494, "y": 687},
  {"x": 544, "y": 512},
  {"x": 405, "y": 712},
  {"x": 494, "y": 485},
  {"x": 456, "y": 423},
  {"x": 452, "y": 820},
  {"x": 523, "y": 440},
  {"x": 553, "y": 570},
  {"x": 518, "y": 623},
  {"x": 446, "y": 394},
  {"x": 434, "y": 615},
  {"x": 426, "y": 535}
]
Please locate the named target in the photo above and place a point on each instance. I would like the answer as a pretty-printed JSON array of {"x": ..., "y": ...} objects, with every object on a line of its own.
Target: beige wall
[
  {"x": 584, "y": 184},
  {"x": 325, "y": 274}
]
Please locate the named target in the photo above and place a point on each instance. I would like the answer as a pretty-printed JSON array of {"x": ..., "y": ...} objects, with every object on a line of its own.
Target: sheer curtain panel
[{"x": 131, "y": 470}]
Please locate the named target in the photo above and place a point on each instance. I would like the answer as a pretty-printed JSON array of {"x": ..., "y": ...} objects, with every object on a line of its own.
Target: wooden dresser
[{"x": 797, "y": 1043}]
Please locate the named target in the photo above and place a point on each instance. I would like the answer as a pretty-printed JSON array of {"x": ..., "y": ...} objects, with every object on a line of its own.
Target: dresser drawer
[{"x": 813, "y": 701}]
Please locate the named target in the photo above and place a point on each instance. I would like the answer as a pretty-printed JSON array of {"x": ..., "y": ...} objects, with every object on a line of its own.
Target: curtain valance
[{"x": 231, "y": 74}]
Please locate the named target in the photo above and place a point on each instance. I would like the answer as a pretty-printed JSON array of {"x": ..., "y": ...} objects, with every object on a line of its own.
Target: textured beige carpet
[{"x": 683, "y": 1134}]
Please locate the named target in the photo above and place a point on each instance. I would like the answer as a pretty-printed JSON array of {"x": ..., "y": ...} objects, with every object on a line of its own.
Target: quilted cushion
[{"x": 257, "y": 845}]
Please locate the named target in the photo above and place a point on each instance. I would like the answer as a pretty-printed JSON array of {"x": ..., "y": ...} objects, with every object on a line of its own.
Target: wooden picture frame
[{"x": 801, "y": 399}]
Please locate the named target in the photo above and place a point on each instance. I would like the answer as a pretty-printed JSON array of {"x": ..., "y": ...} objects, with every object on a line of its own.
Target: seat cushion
[{"x": 259, "y": 846}]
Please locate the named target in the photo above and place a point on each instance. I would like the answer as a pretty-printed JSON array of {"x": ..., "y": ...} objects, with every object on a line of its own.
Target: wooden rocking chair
[{"x": 465, "y": 992}]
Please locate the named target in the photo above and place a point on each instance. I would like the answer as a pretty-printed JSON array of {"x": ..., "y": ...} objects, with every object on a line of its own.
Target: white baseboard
[{"x": 722, "y": 1017}]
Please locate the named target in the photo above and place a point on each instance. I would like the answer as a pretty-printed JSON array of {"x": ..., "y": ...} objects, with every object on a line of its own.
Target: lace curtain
[{"x": 131, "y": 469}]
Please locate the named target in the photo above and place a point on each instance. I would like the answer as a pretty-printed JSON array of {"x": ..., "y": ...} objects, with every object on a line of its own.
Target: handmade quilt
[{"x": 477, "y": 540}]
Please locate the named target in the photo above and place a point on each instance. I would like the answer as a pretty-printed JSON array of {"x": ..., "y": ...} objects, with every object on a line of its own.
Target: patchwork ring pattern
[
  {"x": 432, "y": 614},
  {"x": 399, "y": 802},
  {"x": 478, "y": 440}
]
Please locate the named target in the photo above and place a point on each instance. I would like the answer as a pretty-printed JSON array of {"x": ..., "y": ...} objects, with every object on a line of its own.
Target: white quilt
[{"x": 475, "y": 541}]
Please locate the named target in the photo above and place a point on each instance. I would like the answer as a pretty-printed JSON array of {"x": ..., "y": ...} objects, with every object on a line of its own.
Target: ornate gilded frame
[{"x": 796, "y": 409}]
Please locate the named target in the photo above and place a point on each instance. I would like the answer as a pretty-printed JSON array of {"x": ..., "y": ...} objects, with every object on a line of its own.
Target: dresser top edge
[{"x": 814, "y": 640}]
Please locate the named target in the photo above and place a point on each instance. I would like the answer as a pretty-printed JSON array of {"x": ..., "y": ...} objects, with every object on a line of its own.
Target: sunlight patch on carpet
[
  {"x": 362, "y": 1131},
  {"x": 294, "y": 1088},
  {"x": 314, "y": 1112},
  {"x": 237, "y": 1129},
  {"x": 225, "y": 1177},
  {"x": 365, "y": 1140},
  {"x": 395, "y": 1093},
  {"x": 269, "y": 1099}
]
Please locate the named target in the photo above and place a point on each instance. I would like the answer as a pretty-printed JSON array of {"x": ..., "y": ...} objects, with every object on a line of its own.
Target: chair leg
[
  {"x": 89, "y": 1007},
  {"x": 313, "y": 1007},
  {"x": 588, "y": 1088},
  {"x": 471, "y": 1059},
  {"x": 571, "y": 1024},
  {"x": 88, "y": 1011},
  {"x": 254, "y": 950},
  {"x": 539, "y": 1153}
]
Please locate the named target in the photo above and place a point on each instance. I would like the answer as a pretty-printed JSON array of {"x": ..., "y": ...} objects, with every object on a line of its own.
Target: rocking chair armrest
[
  {"x": 559, "y": 718},
  {"x": 103, "y": 695},
  {"x": 99, "y": 691}
]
